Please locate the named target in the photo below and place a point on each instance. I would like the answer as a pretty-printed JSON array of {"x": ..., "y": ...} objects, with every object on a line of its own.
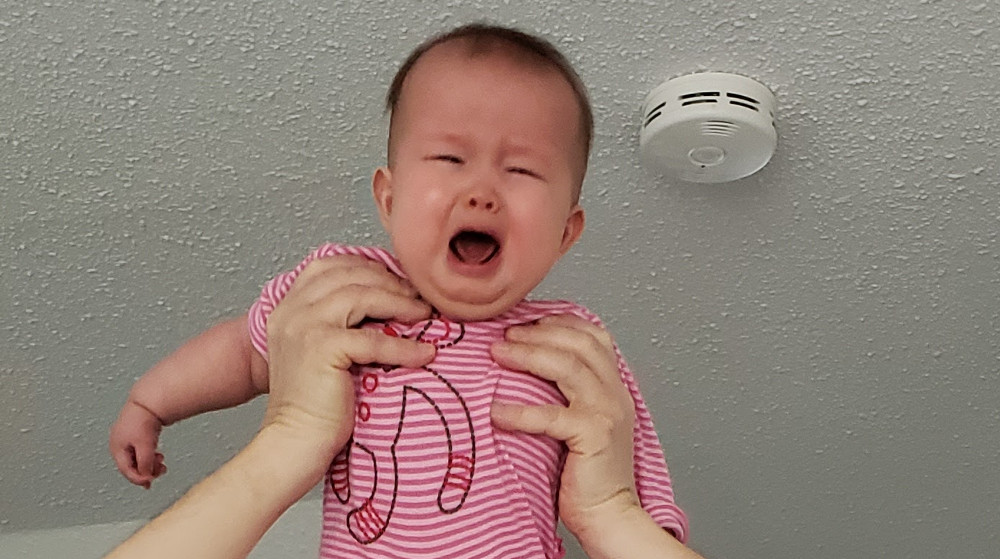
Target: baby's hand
[{"x": 133, "y": 441}]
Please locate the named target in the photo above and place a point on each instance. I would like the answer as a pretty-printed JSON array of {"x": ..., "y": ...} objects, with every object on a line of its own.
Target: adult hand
[
  {"x": 598, "y": 501},
  {"x": 313, "y": 341},
  {"x": 597, "y": 423}
]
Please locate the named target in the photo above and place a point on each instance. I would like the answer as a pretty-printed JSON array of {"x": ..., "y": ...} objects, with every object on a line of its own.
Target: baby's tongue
[{"x": 472, "y": 247}]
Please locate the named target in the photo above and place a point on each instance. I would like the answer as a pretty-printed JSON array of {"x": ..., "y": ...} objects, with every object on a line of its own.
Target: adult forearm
[
  {"x": 225, "y": 515},
  {"x": 631, "y": 534}
]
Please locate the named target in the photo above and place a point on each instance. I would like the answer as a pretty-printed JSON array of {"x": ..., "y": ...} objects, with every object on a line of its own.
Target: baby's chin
[{"x": 471, "y": 311}]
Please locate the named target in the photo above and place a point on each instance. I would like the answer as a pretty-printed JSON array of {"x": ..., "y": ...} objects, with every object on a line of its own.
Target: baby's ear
[
  {"x": 382, "y": 192},
  {"x": 573, "y": 229}
]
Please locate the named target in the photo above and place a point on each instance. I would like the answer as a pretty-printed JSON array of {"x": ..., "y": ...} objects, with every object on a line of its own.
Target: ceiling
[{"x": 818, "y": 342}]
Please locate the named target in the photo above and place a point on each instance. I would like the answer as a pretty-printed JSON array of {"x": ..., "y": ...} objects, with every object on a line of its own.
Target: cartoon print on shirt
[{"x": 368, "y": 521}]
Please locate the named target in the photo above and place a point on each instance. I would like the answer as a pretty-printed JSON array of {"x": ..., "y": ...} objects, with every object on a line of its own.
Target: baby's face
[{"x": 479, "y": 195}]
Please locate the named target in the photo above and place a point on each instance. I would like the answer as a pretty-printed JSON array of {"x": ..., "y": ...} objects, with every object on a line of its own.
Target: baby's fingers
[
  {"x": 125, "y": 460},
  {"x": 145, "y": 459},
  {"x": 159, "y": 468}
]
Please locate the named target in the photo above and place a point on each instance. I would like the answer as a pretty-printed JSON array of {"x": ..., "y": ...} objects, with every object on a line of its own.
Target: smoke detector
[{"x": 708, "y": 127}]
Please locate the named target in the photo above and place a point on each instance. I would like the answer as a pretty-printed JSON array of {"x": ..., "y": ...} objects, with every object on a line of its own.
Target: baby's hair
[{"x": 483, "y": 39}]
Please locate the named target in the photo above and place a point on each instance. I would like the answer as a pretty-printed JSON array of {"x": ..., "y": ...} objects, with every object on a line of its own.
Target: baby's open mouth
[{"x": 474, "y": 247}]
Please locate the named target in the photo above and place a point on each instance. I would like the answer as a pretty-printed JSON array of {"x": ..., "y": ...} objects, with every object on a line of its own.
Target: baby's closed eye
[
  {"x": 528, "y": 172},
  {"x": 447, "y": 158}
]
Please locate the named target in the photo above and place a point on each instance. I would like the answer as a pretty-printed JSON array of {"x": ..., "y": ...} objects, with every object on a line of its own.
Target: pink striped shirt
[{"x": 427, "y": 475}]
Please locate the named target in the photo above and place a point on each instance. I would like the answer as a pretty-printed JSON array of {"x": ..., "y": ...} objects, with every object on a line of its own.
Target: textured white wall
[{"x": 818, "y": 342}]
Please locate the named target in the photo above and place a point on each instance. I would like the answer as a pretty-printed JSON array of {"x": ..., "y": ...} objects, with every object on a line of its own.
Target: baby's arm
[{"x": 217, "y": 369}]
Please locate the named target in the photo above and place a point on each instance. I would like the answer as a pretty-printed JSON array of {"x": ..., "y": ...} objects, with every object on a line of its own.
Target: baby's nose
[{"x": 483, "y": 202}]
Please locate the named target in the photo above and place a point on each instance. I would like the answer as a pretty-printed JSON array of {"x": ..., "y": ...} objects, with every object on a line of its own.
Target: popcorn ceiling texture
[{"x": 818, "y": 342}]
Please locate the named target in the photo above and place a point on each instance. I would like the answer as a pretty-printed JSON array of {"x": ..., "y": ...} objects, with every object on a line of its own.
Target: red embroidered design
[{"x": 372, "y": 517}]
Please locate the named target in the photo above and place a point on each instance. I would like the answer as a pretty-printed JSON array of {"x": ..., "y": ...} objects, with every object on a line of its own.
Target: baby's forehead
[
  {"x": 511, "y": 68},
  {"x": 500, "y": 50},
  {"x": 488, "y": 54}
]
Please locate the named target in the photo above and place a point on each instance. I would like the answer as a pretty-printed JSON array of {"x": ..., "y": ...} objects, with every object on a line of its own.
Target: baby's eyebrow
[
  {"x": 521, "y": 150},
  {"x": 451, "y": 138},
  {"x": 534, "y": 153}
]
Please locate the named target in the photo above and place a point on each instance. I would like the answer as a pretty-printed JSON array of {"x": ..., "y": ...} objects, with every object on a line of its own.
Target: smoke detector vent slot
[
  {"x": 708, "y": 127},
  {"x": 698, "y": 94},
  {"x": 653, "y": 113},
  {"x": 744, "y": 105},
  {"x": 696, "y": 101},
  {"x": 719, "y": 128},
  {"x": 655, "y": 109},
  {"x": 699, "y": 97},
  {"x": 732, "y": 95}
]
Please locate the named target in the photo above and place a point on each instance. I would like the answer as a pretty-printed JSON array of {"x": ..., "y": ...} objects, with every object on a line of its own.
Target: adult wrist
[
  {"x": 287, "y": 457},
  {"x": 595, "y": 524}
]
